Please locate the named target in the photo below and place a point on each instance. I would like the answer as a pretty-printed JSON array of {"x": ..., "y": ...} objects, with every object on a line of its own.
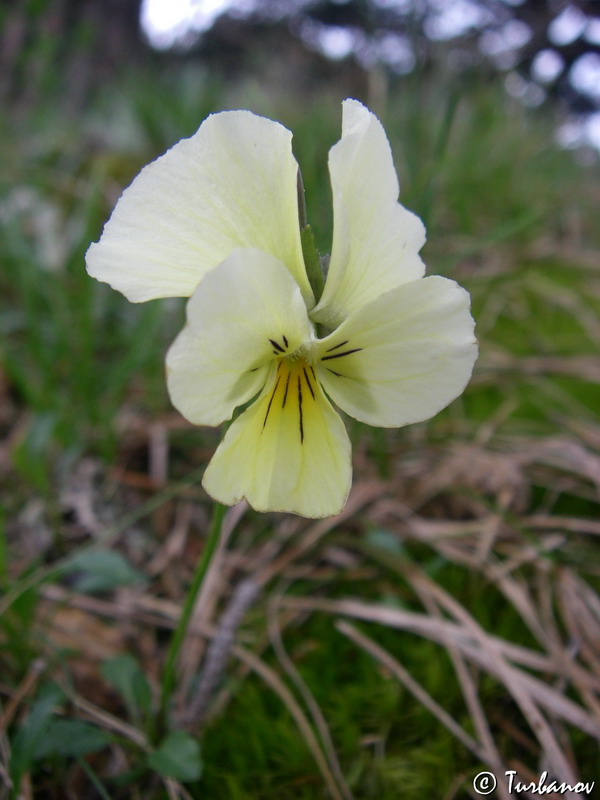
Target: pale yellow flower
[{"x": 216, "y": 219}]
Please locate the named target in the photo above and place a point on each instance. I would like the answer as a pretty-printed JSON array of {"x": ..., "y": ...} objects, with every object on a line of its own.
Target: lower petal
[{"x": 288, "y": 452}]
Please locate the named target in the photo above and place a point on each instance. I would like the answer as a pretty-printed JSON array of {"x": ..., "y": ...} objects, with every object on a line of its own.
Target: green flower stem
[{"x": 168, "y": 679}]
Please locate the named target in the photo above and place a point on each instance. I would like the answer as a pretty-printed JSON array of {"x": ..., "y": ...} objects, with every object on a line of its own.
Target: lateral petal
[
  {"x": 288, "y": 452},
  {"x": 232, "y": 184},
  {"x": 375, "y": 240},
  {"x": 404, "y": 356},
  {"x": 244, "y": 313}
]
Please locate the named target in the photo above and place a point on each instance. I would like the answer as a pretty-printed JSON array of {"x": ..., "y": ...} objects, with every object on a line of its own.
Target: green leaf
[
  {"x": 71, "y": 737},
  {"x": 32, "y": 732},
  {"x": 124, "y": 674},
  {"x": 3, "y": 550},
  {"x": 383, "y": 539},
  {"x": 103, "y": 570},
  {"x": 178, "y": 756}
]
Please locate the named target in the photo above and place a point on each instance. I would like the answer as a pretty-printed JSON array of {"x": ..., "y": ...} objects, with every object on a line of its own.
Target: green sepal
[{"x": 312, "y": 262}]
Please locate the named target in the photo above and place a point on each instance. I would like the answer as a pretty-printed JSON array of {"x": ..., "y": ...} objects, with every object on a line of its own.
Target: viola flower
[{"x": 216, "y": 219}]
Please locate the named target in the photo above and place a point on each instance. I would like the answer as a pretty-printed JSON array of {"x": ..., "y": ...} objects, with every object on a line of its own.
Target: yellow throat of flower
[{"x": 291, "y": 400}]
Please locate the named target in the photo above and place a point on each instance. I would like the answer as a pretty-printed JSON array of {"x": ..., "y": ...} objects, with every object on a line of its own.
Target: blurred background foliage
[
  {"x": 467, "y": 556},
  {"x": 546, "y": 47}
]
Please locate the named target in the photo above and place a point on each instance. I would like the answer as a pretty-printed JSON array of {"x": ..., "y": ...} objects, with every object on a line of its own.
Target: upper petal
[
  {"x": 232, "y": 184},
  {"x": 288, "y": 452},
  {"x": 244, "y": 313},
  {"x": 403, "y": 357},
  {"x": 375, "y": 240}
]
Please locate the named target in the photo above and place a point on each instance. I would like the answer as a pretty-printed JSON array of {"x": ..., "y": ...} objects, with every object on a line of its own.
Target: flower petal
[
  {"x": 245, "y": 312},
  {"x": 403, "y": 357},
  {"x": 232, "y": 184},
  {"x": 288, "y": 452},
  {"x": 375, "y": 239}
]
